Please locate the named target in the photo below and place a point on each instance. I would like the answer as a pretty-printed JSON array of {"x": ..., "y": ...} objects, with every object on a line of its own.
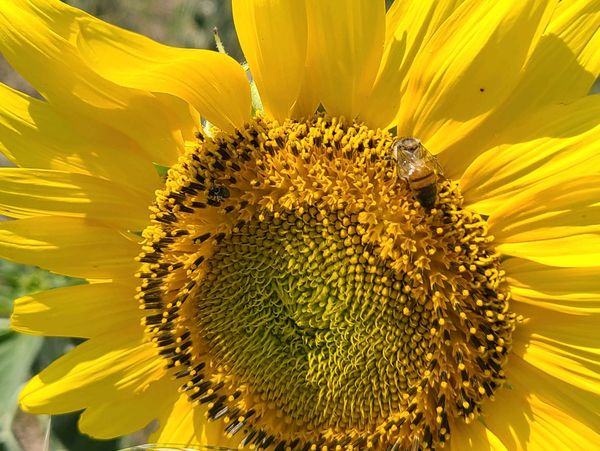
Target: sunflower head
[{"x": 300, "y": 290}]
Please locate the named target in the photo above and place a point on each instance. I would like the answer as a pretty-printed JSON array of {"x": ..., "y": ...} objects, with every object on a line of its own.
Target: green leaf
[
  {"x": 161, "y": 170},
  {"x": 257, "y": 105},
  {"x": 17, "y": 353}
]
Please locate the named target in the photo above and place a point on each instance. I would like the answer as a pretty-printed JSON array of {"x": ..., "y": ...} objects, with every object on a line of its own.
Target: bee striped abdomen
[
  {"x": 427, "y": 195},
  {"x": 424, "y": 186},
  {"x": 421, "y": 181}
]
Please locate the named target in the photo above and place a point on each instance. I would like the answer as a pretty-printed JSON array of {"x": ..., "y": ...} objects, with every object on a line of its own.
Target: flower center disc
[{"x": 301, "y": 292}]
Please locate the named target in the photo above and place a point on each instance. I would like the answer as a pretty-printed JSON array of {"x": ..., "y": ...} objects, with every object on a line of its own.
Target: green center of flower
[{"x": 306, "y": 298}]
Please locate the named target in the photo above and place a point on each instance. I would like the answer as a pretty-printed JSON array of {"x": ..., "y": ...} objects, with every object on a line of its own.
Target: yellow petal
[
  {"x": 574, "y": 369},
  {"x": 576, "y": 250},
  {"x": 570, "y": 336},
  {"x": 38, "y": 192},
  {"x": 308, "y": 98},
  {"x": 213, "y": 83},
  {"x": 409, "y": 27},
  {"x": 559, "y": 210},
  {"x": 177, "y": 426},
  {"x": 133, "y": 410},
  {"x": 565, "y": 58},
  {"x": 80, "y": 311},
  {"x": 346, "y": 42},
  {"x": 508, "y": 415},
  {"x": 36, "y": 135},
  {"x": 34, "y": 38},
  {"x": 572, "y": 400},
  {"x": 520, "y": 414},
  {"x": 187, "y": 426},
  {"x": 470, "y": 66},
  {"x": 557, "y": 143},
  {"x": 555, "y": 357},
  {"x": 552, "y": 425},
  {"x": 92, "y": 371},
  {"x": 71, "y": 246},
  {"x": 566, "y": 290},
  {"x": 558, "y": 225},
  {"x": 273, "y": 36},
  {"x": 473, "y": 437}
]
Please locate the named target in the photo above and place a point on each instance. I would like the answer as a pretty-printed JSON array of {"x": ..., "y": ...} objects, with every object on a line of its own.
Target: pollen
[{"x": 306, "y": 299}]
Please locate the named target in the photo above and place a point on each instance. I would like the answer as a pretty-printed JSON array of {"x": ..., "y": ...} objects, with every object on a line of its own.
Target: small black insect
[{"x": 216, "y": 195}]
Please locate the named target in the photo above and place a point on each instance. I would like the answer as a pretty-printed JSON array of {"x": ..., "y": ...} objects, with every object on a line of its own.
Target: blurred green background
[{"x": 182, "y": 23}]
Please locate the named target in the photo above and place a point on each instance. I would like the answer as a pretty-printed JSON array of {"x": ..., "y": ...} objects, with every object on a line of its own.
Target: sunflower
[{"x": 399, "y": 250}]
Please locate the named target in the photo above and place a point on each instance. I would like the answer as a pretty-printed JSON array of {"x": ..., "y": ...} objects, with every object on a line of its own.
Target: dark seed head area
[{"x": 306, "y": 299}]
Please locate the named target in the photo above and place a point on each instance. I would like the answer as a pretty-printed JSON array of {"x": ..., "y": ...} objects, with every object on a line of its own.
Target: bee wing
[
  {"x": 434, "y": 162},
  {"x": 403, "y": 166}
]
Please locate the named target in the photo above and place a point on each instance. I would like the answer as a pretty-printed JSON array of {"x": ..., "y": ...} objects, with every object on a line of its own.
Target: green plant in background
[{"x": 20, "y": 354}]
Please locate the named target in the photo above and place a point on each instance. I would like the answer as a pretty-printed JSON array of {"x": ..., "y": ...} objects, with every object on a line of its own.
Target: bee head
[{"x": 406, "y": 145}]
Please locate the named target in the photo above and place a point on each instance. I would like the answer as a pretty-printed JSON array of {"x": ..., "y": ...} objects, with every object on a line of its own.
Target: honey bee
[
  {"x": 419, "y": 168},
  {"x": 216, "y": 195}
]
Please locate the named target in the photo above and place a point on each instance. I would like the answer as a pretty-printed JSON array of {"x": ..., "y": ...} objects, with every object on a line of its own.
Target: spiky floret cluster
[{"x": 298, "y": 289}]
